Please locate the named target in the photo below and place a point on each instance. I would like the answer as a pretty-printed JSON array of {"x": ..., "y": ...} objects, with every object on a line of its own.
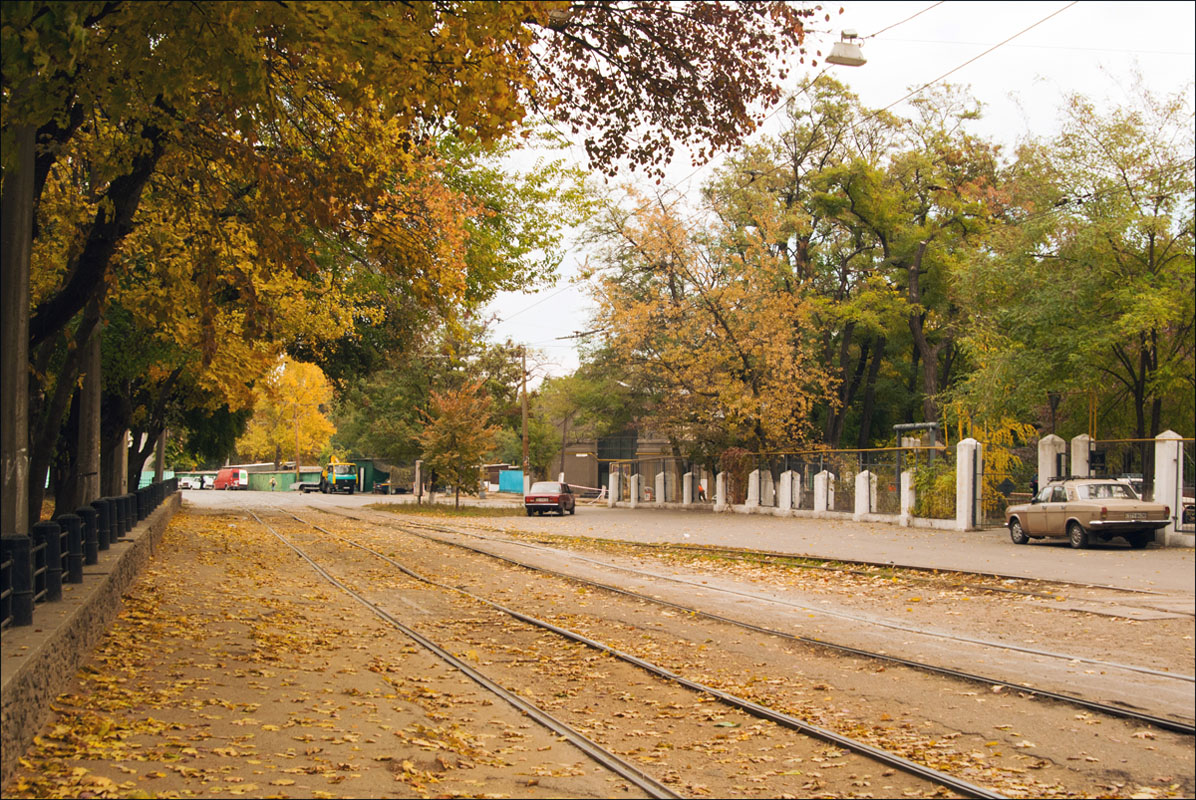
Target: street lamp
[{"x": 846, "y": 53}]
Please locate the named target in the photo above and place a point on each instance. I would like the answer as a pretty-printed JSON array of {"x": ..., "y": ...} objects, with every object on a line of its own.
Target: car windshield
[
  {"x": 545, "y": 486},
  {"x": 342, "y": 469},
  {"x": 1105, "y": 491}
]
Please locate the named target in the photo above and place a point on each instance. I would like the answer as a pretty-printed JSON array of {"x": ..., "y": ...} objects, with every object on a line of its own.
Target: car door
[
  {"x": 567, "y": 498},
  {"x": 1034, "y": 518},
  {"x": 1056, "y": 512}
]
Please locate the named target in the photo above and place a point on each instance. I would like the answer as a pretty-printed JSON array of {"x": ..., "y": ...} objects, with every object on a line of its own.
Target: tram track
[
  {"x": 1181, "y": 726},
  {"x": 867, "y": 751}
]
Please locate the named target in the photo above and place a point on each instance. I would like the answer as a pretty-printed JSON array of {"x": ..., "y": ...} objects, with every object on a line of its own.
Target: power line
[
  {"x": 970, "y": 61},
  {"x": 907, "y": 19}
]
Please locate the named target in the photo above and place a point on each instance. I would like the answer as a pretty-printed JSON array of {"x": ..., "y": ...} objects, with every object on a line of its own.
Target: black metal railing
[{"x": 34, "y": 567}]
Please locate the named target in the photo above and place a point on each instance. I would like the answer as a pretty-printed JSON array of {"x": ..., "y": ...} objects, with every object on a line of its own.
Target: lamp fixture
[{"x": 846, "y": 52}]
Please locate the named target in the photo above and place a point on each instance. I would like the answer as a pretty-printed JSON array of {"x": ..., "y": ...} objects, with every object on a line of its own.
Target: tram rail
[
  {"x": 1180, "y": 726},
  {"x": 880, "y": 755}
]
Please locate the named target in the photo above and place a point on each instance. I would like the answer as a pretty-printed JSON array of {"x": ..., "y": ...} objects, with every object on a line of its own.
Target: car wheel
[
  {"x": 1077, "y": 535},
  {"x": 530, "y": 512},
  {"x": 1016, "y": 533},
  {"x": 1139, "y": 540},
  {"x": 572, "y": 509}
]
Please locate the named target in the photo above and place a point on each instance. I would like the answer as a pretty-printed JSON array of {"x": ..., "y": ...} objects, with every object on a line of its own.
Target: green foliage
[
  {"x": 457, "y": 436},
  {"x": 934, "y": 490},
  {"x": 1088, "y": 293}
]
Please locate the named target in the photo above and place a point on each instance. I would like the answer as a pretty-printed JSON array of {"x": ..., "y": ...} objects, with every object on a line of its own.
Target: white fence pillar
[
  {"x": 768, "y": 492},
  {"x": 785, "y": 493},
  {"x": 1168, "y": 481},
  {"x": 659, "y": 498},
  {"x": 634, "y": 483},
  {"x": 1080, "y": 447},
  {"x": 613, "y": 495},
  {"x": 969, "y": 511},
  {"x": 720, "y": 491},
  {"x": 1050, "y": 447},
  {"x": 865, "y": 494},
  {"x": 753, "y": 494},
  {"x": 797, "y": 490},
  {"x": 824, "y": 491},
  {"x": 687, "y": 488},
  {"x": 908, "y": 498}
]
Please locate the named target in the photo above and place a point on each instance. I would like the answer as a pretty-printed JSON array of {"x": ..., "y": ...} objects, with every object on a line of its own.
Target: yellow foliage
[{"x": 287, "y": 414}]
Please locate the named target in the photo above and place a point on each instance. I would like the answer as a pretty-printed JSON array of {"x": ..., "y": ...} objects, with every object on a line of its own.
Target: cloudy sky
[{"x": 1093, "y": 48}]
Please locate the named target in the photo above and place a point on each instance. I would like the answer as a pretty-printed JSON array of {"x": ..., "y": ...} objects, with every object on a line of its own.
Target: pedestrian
[
  {"x": 701, "y": 492},
  {"x": 1034, "y": 487},
  {"x": 272, "y": 484}
]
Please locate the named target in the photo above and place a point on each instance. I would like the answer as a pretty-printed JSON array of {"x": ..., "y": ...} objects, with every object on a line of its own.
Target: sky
[{"x": 1093, "y": 48}]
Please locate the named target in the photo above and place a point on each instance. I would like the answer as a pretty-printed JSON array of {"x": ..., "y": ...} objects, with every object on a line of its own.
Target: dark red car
[{"x": 546, "y": 496}]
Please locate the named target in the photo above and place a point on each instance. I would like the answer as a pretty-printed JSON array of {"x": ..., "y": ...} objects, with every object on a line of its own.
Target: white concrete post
[
  {"x": 613, "y": 493},
  {"x": 659, "y": 498},
  {"x": 785, "y": 492},
  {"x": 908, "y": 498},
  {"x": 527, "y": 483},
  {"x": 720, "y": 491},
  {"x": 968, "y": 500},
  {"x": 1080, "y": 447},
  {"x": 797, "y": 490},
  {"x": 768, "y": 492},
  {"x": 824, "y": 491},
  {"x": 687, "y": 488},
  {"x": 1168, "y": 478},
  {"x": 865, "y": 494},
  {"x": 753, "y": 494},
  {"x": 635, "y": 491},
  {"x": 1049, "y": 448}
]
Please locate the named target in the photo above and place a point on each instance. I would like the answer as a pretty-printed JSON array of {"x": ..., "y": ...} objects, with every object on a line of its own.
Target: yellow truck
[{"x": 338, "y": 476}]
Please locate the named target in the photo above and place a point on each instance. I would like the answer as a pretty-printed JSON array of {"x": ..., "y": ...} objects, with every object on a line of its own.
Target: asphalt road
[{"x": 1168, "y": 570}]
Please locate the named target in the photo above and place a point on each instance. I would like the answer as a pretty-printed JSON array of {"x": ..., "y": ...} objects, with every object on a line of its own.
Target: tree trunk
[
  {"x": 16, "y": 241},
  {"x": 89, "y": 422},
  {"x": 869, "y": 407}
]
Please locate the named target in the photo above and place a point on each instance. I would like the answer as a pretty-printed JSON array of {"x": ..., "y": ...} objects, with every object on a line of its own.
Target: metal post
[
  {"x": 18, "y": 548},
  {"x": 72, "y": 524},
  {"x": 91, "y": 544},
  {"x": 50, "y": 535},
  {"x": 103, "y": 517}
]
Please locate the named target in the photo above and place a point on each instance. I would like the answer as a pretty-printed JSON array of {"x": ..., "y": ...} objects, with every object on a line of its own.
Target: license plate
[{"x": 1135, "y": 515}]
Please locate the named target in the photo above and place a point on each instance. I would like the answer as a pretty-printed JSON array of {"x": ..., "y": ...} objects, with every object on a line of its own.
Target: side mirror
[{"x": 1033, "y": 499}]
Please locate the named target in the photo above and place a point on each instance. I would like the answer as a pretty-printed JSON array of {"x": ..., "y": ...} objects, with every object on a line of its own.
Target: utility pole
[{"x": 523, "y": 353}]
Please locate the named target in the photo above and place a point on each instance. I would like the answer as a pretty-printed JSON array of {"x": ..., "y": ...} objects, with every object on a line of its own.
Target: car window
[
  {"x": 1106, "y": 491},
  {"x": 546, "y": 486},
  {"x": 1045, "y": 495},
  {"x": 1058, "y": 495}
]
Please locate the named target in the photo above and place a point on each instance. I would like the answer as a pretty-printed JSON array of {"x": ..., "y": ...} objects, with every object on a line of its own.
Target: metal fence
[{"x": 35, "y": 567}]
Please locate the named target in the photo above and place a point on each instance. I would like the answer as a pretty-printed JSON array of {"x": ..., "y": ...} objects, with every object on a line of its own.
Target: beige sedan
[{"x": 1085, "y": 509}]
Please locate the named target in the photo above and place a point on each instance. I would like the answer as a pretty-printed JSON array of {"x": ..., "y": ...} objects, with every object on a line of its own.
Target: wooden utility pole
[{"x": 523, "y": 353}]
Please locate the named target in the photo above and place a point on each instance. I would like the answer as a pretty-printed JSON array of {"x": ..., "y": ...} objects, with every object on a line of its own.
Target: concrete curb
[{"x": 39, "y": 661}]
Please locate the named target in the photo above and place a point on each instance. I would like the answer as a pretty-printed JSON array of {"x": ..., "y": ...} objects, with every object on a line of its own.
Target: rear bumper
[{"x": 1127, "y": 525}]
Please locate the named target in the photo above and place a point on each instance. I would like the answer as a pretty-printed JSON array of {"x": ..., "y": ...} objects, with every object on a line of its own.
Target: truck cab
[{"x": 338, "y": 476}]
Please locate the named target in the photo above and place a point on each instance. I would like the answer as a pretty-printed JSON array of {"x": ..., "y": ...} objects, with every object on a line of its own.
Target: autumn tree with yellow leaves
[
  {"x": 300, "y": 140},
  {"x": 289, "y": 415},
  {"x": 707, "y": 323}
]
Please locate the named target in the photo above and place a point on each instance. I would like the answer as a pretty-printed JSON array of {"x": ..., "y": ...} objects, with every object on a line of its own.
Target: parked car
[
  {"x": 545, "y": 496},
  {"x": 230, "y": 478},
  {"x": 1086, "y": 509}
]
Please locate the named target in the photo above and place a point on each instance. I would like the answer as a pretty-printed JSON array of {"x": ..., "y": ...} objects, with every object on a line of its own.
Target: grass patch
[{"x": 448, "y": 510}]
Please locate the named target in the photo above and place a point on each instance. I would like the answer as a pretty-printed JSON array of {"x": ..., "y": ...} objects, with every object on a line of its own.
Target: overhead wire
[{"x": 784, "y": 104}]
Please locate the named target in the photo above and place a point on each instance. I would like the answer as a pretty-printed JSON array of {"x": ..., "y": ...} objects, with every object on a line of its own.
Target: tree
[
  {"x": 310, "y": 125},
  {"x": 1089, "y": 292},
  {"x": 704, "y": 320},
  {"x": 288, "y": 415},
  {"x": 457, "y": 436}
]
